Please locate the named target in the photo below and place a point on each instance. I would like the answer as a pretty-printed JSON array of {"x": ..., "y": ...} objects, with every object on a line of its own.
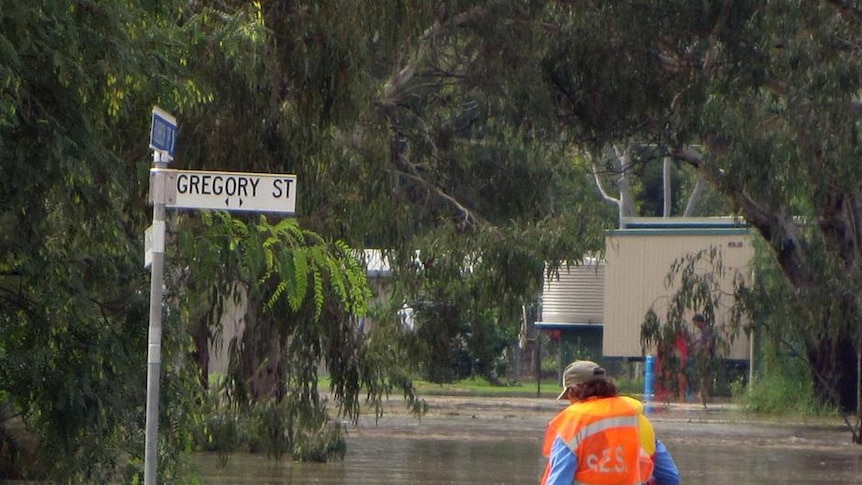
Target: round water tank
[{"x": 576, "y": 297}]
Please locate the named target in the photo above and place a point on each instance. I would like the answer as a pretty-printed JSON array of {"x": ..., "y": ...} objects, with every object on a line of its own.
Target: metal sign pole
[
  {"x": 162, "y": 142},
  {"x": 154, "y": 347}
]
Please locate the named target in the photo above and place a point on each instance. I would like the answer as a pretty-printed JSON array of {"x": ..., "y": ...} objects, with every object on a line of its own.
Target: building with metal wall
[
  {"x": 638, "y": 259},
  {"x": 611, "y": 297}
]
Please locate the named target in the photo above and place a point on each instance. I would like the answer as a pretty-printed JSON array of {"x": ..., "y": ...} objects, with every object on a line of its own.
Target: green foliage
[
  {"x": 392, "y": 118},
  {"x": 463, "y": 321},
  {"x": 305, "y": 88},
  {"x": 288, "y": 426},
  {"x": 387, "y": 364},
  {"x": 273, "y": 428},
  {"x": 630, "y": 387},
  {"x": 762, "y": 113},
  {"x": 479, "y": 386},
  {"x": 302, "y": 296},
  {"x": 74, "y": 77},
  {"x": 444, "y": 134},
  {"x": 785, "y": 392},
  {"x": 786, "y": 327}
]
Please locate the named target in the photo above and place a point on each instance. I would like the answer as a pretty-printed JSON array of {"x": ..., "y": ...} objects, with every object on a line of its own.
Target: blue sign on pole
[{"x": 163, "y": 135}]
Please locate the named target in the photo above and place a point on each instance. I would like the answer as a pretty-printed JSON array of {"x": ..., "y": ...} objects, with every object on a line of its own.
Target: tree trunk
[
  {"x": 201, "y": 354},
  {"x": 627, "y": 207},
  {"x": 694, "y": 198},
  {"x": 832, "y": 354},
  {"x": 261, "y": 358},
  {"x": 834, "y": 364}
]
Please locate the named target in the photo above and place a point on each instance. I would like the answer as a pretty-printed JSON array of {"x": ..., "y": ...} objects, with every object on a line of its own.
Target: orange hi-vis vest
[{"x": 603, "y": 433}]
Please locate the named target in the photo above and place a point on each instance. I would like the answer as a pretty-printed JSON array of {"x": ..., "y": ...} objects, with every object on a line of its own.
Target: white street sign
[{"x": 232, "y": 191}]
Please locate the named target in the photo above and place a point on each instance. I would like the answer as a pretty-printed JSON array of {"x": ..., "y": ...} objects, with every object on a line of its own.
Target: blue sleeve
[
  {"x": 665, "y": 471},
  {"x": 562, "y": 464}
]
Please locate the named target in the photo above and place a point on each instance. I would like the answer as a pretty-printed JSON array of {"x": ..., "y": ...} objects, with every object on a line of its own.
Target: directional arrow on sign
[{"x": 238, "y": 206}]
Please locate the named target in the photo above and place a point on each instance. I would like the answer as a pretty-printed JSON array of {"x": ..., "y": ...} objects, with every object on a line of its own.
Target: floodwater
[{"x": 475, "y": 441}]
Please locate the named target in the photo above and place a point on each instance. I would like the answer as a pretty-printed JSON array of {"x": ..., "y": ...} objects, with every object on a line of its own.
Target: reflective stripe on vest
[
  {"x": 636, "y": 483},
  {"x": 600, "y": 426}
]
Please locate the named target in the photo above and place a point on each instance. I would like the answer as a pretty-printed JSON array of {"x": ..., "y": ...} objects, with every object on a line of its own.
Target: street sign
[
  {"x": 232, "y": 191},
  {"x": 163, "y": 134}
]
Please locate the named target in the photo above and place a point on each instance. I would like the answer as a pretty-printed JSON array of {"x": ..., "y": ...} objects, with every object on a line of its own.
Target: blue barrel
[{"x": 649, "y": 381}]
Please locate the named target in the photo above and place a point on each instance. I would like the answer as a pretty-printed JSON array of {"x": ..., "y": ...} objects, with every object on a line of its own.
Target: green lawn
[
  {"x": 548, "y": 388},
  {"x": 481, "y": 387}
]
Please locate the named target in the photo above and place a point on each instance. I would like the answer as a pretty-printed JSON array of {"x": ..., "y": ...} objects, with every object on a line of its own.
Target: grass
[
  {"x": 780, "y": 396},
  {"x": 483, "y": 388}
]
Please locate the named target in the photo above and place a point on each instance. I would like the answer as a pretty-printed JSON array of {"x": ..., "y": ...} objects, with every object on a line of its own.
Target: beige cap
[{"x": 579, "y": 372}]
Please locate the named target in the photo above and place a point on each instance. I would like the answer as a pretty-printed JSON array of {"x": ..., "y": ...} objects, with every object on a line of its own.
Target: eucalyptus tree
[
  {"x": 399, "y": 122},
  {"x": 429, "y": 104},
  {"x": 485, "y": 188},
  {"x": 79, "y": 79},
  {"x": 281, "y": 82},
  {"x": 76, "y": 83},
  {"x": 301, "y": 295},
  {"x": 762, "y": 99}
]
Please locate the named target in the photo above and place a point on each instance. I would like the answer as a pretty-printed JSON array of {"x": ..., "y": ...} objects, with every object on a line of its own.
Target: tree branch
[
  {"x": 845, "y": 10},
  {"x": 720, "y": 24},
  {"x": 606, "y": 196},
  {"x": 694, "y": 197},
  {"x": 469, "y": 216},
  {"x": 782, "y": 232},
  {"x": 403, "y": 72},
  {"x": 778, "y": 228}
]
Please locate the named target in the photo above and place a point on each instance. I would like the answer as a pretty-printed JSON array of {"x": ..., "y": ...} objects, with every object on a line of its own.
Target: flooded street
[
  {"x": 481, "y": 441},
  {"x": 736, "y": 451}
]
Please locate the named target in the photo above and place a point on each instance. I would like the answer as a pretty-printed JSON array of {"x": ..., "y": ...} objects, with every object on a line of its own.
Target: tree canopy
[
  {"x": 399, "y": 142},
  {"x": 762, "y": 99},
  {"x": 456, "y": 131}
]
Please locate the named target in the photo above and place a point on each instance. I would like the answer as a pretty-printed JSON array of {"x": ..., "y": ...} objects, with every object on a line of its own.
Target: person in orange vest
[{"x": 602, "y": 438}]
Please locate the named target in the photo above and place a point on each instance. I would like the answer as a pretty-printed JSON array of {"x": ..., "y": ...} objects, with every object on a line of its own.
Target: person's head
[
  {"x": 583, "y": 379},
  {"x": 698, "y": 320}
]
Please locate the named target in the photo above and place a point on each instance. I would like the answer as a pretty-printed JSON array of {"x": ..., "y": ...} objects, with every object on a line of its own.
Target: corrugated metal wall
[
  {"x": 576, "y": 296},
  {"x": 636, "y": 264}
]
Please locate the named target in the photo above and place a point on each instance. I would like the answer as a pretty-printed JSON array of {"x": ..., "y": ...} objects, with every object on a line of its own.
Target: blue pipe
[{"x": 649, "y": 380}]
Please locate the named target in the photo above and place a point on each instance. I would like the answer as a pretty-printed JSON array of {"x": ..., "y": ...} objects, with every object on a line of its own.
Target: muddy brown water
[{"x": 494, "y": 441}]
